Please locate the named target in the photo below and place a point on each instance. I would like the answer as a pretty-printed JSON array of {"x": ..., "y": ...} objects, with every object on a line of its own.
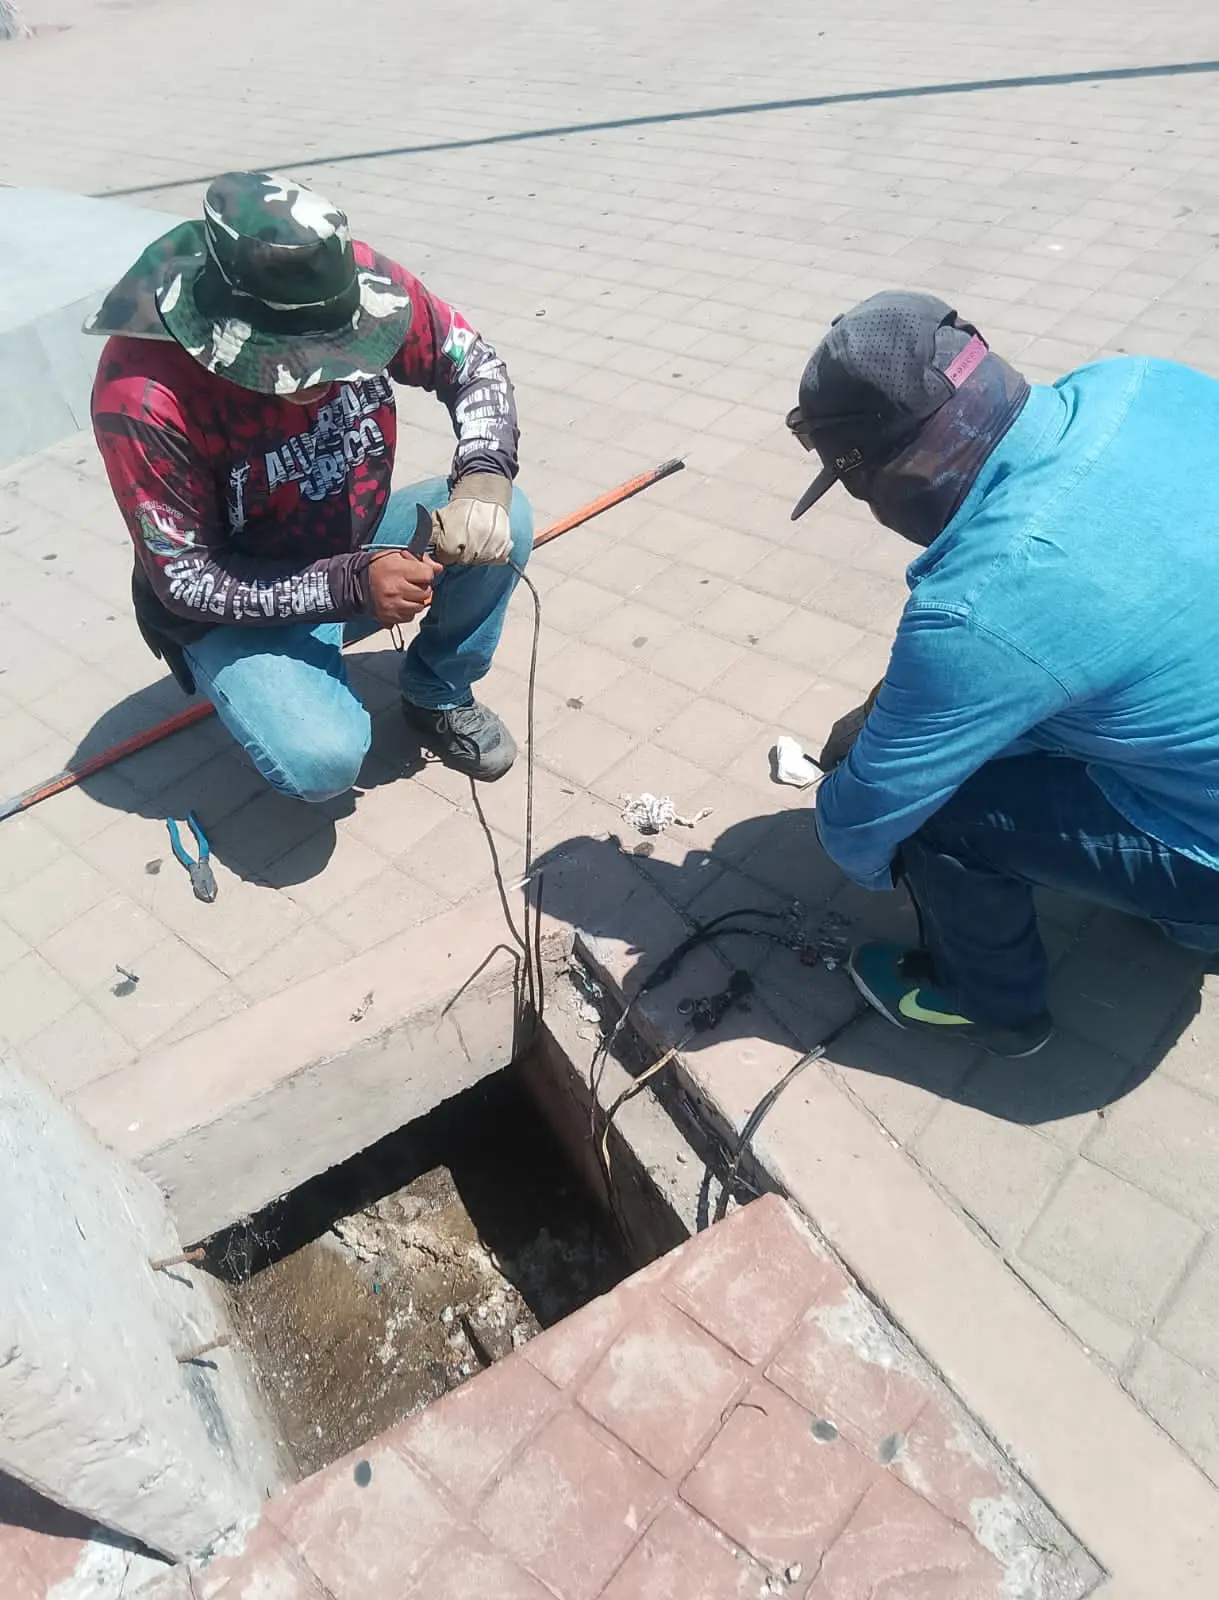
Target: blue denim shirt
[{"x": 1071, "y": 605}]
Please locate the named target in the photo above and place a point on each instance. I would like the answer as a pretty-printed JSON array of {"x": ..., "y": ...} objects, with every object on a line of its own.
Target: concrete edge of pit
[
  {"x": 1147, "y": 1514},
  {"x": 229, "y": 1119},
  {"x": 657, "y": 1173}
]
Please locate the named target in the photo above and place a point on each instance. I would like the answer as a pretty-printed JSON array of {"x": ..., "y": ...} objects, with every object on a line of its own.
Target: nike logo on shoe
[{"x": 910, "y": 1008}]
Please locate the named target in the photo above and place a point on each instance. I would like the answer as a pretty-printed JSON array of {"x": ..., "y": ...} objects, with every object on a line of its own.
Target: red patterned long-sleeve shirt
[{"x": 248, "y": 508}]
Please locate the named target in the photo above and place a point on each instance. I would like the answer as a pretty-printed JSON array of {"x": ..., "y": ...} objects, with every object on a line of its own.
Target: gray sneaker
[{"x": 470, "y": 738}]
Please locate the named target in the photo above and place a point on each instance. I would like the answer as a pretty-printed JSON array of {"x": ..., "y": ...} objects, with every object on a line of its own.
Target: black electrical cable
[
  {"x": 531, "y": 917},
  {"x": 716, "y": 927},
  {"x": 703, "y": 932},
  {"x": 766, "y": 1104},
  {"x": 706, "y": 931}
]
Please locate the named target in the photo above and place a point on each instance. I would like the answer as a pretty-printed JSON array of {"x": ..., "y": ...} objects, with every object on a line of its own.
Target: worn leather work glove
[
  {"x": 473, "y": 529},
  {"x": 844, "y": 734}
]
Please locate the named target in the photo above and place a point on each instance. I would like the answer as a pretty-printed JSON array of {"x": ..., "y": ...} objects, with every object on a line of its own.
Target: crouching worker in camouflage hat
[{"x": 244, "y": 408}]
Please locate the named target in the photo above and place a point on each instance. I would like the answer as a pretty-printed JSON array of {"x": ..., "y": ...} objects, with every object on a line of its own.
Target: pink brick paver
[
  {"x": 663, "y": 1386},
  {"x": 774, "y": 1486},
  {"x": 629, "y": 1453},
  {"x": 898, "y": 1544},
  {"x": 871, "y": 1402}
]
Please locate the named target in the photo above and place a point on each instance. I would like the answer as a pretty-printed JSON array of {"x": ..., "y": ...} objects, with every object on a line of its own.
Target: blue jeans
[
  {"x": 1037, "y": 820},
  {"x": 282, "y": 692}
]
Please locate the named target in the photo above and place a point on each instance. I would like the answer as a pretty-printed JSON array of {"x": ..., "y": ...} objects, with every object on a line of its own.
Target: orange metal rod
[
  {"x": 71, "y": 776},
  {"x": 615, "y": 497}
]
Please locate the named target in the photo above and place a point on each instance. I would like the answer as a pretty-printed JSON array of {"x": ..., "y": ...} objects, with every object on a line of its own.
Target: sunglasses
[{"x": 799, "y": 427}]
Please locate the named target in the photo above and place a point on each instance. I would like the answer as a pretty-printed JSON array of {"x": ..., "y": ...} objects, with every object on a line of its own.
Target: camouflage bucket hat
[{"x": 265, "y": 291}]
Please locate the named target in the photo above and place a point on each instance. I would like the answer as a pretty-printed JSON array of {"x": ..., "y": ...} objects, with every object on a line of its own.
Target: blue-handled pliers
[{"x": 202, "y": 878}]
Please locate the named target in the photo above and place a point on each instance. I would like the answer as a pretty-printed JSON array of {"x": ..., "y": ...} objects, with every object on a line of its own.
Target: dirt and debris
[
  {"x": 651, "y": 813},
  {"x": 364, "y": 1007},
  {"x": 831, "y": 944},
  {"x": 380, "y": 1285}
]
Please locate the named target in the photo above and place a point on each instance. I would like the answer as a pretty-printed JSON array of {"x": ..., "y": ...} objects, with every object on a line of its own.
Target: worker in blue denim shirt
[{"x": 1050, "y": 713}]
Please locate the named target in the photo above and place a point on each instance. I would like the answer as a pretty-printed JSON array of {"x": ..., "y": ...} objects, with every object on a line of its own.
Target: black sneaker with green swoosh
[{"x": 899, "y": 982}]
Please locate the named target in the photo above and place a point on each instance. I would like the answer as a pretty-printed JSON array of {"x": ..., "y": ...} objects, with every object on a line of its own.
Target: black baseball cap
[{"x": 879, "y": 374}]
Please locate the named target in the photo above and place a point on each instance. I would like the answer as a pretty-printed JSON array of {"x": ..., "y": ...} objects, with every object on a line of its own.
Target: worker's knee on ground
[
  {"x": 520, "y": 522},
  {"x": 321, "y": 763}
]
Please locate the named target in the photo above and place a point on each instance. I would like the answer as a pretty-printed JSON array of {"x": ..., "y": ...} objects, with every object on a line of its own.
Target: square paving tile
[
  {"x": 77, "y": 1048},
  {"x": 1000, "y": 1172},
  {"x": 266, "y": 1565},
  {"x": 843, "y": 1368},
  {"x": 468, "y": 1568},
  {"x": 937, "y": 1458},
  {"x": 571, "y": 1506},
  {"x": 1165, "y": 1138},
  {"x": 115, "y": 931},
  {"x": 563, "y": 1352},
  {"x": 54, "y": 897},
  {"x": 681, "y": 1557},
  {"x": 694, "y": 658},
  {"x": 774, "y": 1487},
  {"x": 1060, "y": 1092},
  {"x": 898, "y": 1545},
  {"x": 464, "y": 1439},
  {"x": 662, "y": 1387},
  {"x": 1111, "y": 1242},
  {"x": 339, "y": 1521},
  {"x": 1183, "y": 1400},
  {"x": 640, "y": 702},
  {"x": 1190, "y": 1328},
  {"x": 749, "y": 1299},
  {"x": 33, "y": 997},
  {"x": 173, "y": 981},
  {"x": 12, "y": 947},
  {"x": 583, "y": 745},
  {"x": 707, "y": 733}
]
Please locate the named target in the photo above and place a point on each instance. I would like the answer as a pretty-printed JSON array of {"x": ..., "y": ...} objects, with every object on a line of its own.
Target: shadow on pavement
[
  {"x": 23, "y": 1507},
  {"x": 255, "y": 832},
  {"x": 1121, "y": 992}
]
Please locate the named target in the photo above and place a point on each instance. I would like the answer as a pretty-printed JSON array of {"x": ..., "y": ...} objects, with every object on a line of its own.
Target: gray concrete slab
[
  {"x": 59, "y": 253},
  {"x": 99, "y": 1413}
]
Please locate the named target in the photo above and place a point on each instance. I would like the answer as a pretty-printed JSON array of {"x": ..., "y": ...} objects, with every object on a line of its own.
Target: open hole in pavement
[{"x": 377, "y": 1286}]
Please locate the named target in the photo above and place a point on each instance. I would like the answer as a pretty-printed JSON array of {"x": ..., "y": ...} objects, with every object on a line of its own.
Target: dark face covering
[{"x": 919, "y": 491}]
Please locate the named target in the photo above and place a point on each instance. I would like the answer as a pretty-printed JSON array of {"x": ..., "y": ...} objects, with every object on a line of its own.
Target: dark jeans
[{"x": 1037, "y": 820}]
